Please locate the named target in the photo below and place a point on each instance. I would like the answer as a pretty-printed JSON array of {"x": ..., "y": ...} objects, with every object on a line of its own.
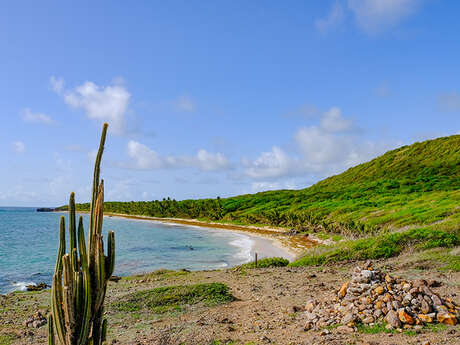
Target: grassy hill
[{"x": 412, "y": 186}]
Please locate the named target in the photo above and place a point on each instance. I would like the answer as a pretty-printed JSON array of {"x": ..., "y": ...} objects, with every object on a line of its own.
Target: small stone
[
  {"x": 425, "y": 308},
  {"x": 379, "y": 305},
  {"x": 345, "y": 330},
  {"x": 436, "y": 300},
  {"x": 447, "y": 318},
  {"x": 386, "y": 298},
  {"x": 343, "y": 290},
  {"x": 325, "y": 332},
  {"x": 406, "y": 287},
  {"x": 379, "y": 290},
  {"x": 425, "y": 318},
  {"x": 405, "y": 317},
  {"x": 393, "y": 319},
  {"x": 310, "y": 316},
  {"x": 311, "y": 304},
  {"x": 348, "y": 318},
  {"x": 396, "y": 305},
  {"x": 368, "y": 320},
  {"x": 378, "y": 313}
]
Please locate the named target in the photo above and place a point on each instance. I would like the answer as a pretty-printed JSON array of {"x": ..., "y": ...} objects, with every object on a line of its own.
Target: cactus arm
[
  {"x": 104, "y": 330},
  {"x": 50, "y": 330},
  {"x": 68, "y": 300},
  {"x": 72, "y": 231},
  {"x": 86, "y": 286},
  {"x": 97, "y": 169},
  {"x": 61, "y": 250},
  {"x": 56, "y": 306},
  {"x": 110, "y": 264}
]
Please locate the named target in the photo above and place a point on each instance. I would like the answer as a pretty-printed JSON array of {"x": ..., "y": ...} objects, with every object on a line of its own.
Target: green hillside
[{"x": 416, "y": 185}]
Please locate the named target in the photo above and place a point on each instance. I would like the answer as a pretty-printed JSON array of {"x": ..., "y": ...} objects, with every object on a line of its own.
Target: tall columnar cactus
[{"x": 81, "y": 275}]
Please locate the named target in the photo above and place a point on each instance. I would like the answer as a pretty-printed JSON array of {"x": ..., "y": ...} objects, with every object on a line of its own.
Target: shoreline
[{"x": 293, "y": 246}]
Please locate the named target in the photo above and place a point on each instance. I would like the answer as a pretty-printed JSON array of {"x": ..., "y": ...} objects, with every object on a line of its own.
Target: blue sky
[{"x": 208, "y": 98}]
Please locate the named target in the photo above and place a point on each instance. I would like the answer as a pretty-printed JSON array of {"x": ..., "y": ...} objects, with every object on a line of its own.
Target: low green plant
[
  {"x": 267, "y": 262},
  {"x": 174, "y": 298},
  {"x": 7, "y": 339},
  {"x": 381, "y": 246}
]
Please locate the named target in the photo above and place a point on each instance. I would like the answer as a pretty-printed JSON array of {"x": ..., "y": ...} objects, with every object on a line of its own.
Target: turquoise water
[{"x": 29, "y": 240}]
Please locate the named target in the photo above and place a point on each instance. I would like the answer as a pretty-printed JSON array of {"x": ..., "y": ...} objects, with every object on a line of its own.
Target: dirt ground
[{"x": 267, "y": 309}]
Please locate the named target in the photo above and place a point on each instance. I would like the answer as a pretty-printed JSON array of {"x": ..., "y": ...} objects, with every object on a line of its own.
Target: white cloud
[
  {"x": 19, "y": 147},
  {"x": 376, "y": 15},
  {"x": 57, "y": 84},
  {"x": 319, "y": 150},
  {"x": 271, "y": 164},
  {"x": 333, "y": 19},
  {"x": 184, "y": 103},
  {"x": 333, "y": 121},
  {"x": 104, "y": 103},
  {"x": 146, "y": 159},
  {"x": 211, "y": 161},
  {"x": 30, "y": 116},
  {"x": 450, "y": 101}
]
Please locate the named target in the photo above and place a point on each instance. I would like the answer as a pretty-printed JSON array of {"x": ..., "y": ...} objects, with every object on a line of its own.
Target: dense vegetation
[{"x": 416, "y": 185}]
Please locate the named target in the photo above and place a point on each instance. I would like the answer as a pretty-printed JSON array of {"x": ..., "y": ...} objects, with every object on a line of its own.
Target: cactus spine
[{"x": 81, "y": 275}]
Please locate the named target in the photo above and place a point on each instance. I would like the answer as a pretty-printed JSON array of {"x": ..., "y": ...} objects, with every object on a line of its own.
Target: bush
[{"x": 267, "y": 262}]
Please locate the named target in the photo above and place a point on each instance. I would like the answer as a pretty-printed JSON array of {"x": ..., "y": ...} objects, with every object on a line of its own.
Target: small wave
[
  {"x": 246, "y": 244},
  {"x": 21, "y": 286}
]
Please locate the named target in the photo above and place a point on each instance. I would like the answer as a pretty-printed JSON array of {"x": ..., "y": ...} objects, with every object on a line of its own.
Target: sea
[{"x": 29, "y": 242}]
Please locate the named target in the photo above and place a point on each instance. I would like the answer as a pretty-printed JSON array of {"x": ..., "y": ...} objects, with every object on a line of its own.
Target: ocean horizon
[{"x": 29, "y": 242}]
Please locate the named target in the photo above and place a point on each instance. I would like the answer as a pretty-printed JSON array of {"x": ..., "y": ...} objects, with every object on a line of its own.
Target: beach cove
[{"x": 143, "y": 245}]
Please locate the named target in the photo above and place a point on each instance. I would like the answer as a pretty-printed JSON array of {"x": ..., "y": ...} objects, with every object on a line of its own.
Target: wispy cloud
[
  {"x": 383, "y": 91},
  {"x": 144, "y": 158},
  {"x": 450, "y": 101},
  {"x": 373, "y": 16},
  {"x": 57, "y": 84},
  {"x": 19, "y": 147},
  {"x": 334, "y": 18},
  {"x": 334, "y": 121},
  {"x": 30, "y": 116},
  {"x": 184, "y": 103}
]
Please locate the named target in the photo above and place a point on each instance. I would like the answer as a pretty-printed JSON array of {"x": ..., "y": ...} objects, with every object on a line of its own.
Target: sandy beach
[{"x": 265, "y": 241}]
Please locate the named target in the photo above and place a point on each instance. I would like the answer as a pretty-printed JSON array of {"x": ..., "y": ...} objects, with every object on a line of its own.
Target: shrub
[
  {"x": 267, "y": 262},
  {"x": 382, "y": 246}
]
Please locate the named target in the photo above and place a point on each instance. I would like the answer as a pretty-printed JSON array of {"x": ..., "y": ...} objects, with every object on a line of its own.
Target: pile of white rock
[{"x": 372, "y": 297}]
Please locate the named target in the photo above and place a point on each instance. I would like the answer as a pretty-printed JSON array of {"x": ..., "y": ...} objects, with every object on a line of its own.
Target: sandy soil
[{"x": 267, "y": 308}]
